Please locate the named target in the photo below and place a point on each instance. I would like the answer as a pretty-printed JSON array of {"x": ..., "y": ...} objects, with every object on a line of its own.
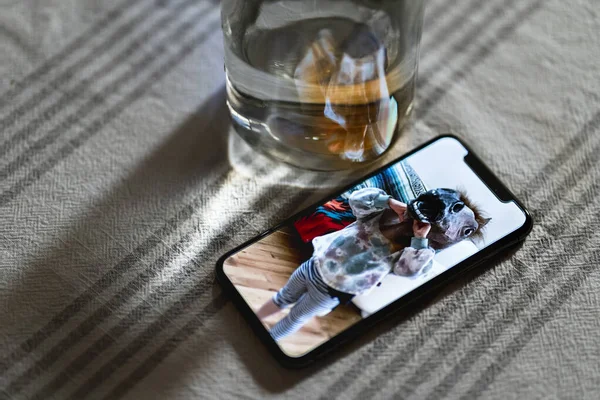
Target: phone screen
[{"x": 368, "y": 247}]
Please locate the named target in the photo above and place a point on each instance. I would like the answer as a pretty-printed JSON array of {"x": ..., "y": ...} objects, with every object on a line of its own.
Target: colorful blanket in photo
[{"x": 400, "y": 181}]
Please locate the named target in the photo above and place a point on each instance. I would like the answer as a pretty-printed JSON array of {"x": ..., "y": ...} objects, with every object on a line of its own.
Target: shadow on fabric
[{"x": 93, "y": 269}]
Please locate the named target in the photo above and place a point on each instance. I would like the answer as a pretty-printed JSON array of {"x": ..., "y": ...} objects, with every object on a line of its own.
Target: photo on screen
[{"x": 368, "y": 247}]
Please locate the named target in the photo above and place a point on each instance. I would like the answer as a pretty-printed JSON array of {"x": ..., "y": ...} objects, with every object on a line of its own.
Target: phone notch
[{"x": 488, "y": 178}]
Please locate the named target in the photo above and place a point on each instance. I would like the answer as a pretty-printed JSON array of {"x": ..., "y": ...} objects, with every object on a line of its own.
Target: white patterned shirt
[{"x": 355, "y": 259}]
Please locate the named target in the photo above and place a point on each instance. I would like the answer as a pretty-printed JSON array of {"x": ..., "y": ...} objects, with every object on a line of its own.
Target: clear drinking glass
[{"x": 321, "y": 84}]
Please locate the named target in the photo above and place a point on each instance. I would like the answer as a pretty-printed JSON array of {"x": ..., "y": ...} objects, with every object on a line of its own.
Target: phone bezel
[{"x": 479, "y": 168}]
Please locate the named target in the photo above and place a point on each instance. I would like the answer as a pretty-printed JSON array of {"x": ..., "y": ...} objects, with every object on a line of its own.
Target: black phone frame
[{"x": 401, "y": 304}]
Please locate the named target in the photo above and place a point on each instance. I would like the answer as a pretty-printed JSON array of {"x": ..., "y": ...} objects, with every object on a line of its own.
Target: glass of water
[{"x": 321, "y": 84}]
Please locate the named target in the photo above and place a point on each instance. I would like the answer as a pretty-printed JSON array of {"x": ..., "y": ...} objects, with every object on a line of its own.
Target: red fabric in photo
[{"x": 330, "y": 217}]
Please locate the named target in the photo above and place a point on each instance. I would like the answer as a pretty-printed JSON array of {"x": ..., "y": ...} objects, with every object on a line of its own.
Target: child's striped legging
[{"x": 307, "y": 289}]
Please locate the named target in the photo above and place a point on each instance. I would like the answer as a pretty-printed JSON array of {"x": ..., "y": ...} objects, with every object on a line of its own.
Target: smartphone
[{"x": 333, "y": 270}]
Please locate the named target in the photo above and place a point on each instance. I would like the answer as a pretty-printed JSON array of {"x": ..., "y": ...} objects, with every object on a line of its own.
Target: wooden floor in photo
[{"x": 260, "y": 270}]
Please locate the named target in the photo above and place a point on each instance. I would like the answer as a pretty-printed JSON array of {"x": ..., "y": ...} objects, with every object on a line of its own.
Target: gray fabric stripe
[
  {"x": 121, "y": 298},
  {"x": 574, "y": 246},
  {"x": 451, "y": 305},
  {"x": 478, "y": 57},
  {"x": 83, "y": 299},
  {"x": 437, "y": 13},
  {"x": 468, "y": 38},
  {"x": 97, "y": 99},
  {"x": 228, "y": 234},
  {"x": 534, "y": 286},
  {"x": 18, "y": 113},
  {"x": 113, "y": 112},
  {"x": 110, "y": 18},
  {"x": 116, "y": 302},
  {"x": 537, "y": 322},
  {"x": 382, "y": 344},
  {"x": 103, "y": 283},
  {"x": 150, "y": 243},
  {"x": 535, "y": 250},
  {"x": 439, "y": 38},
  {"x": 9, "y": 35},
  {"x": 497, "y": 327},
  {"x": 167, "y": 348},
  {"x": 132, "y": 317},
  {"x": 572, "y": 180},
  {"x": 118, "y": 270},
  {"x": 558, "y": 161}
]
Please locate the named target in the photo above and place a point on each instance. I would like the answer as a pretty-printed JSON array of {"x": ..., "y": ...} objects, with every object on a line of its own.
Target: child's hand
[
  {"x": 421, "y": 229},
  {"x": 398, "y": 207}
]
